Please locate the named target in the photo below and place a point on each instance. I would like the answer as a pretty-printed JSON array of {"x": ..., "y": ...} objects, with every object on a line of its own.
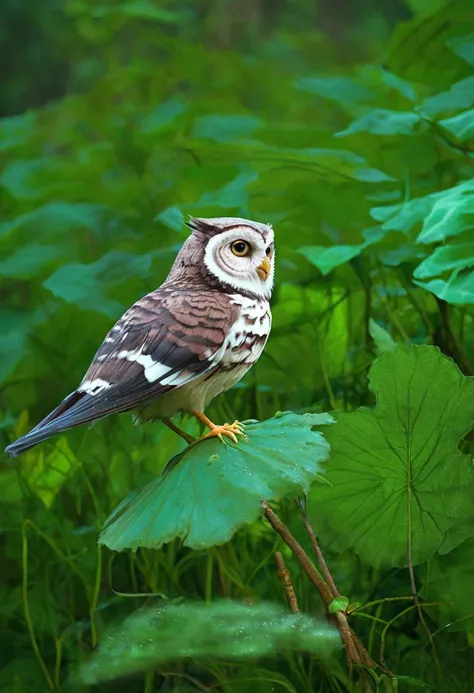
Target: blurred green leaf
[
  {"x": 225, "y": 629},
  {"x": 458, "y": 97},
  {"x": 405, "y": 216},
  {"x": 342, "y": 90},
  {"x": 396, "y": 476},
  {"x": 46, "y": 473},
  {"x": 382, "y": 339},
  {"x": 140, "y": 9},
  {"x": 233, "y": 194},
  {"x": 172, "y": 217},
  {"x": 214, "y": 488},
  {"x": 162, "y": 116},
  {"x": 12, "y": 130},
  {"x": 225, "y": 128},
  {"x": 28, "y": 261},
  {"x": 87, "y": 285},
  {"x": 380, "y": 121},
  {"x": 326, "y": 259},
  {"x": 54, "y": 218},
  {"x": 463, "y": 46},
  {"x": 16, "y": 326},
  {"x": 461, "y": 125}
]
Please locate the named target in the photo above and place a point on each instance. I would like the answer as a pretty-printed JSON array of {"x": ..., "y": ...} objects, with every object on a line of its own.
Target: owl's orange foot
[{"x": 228, "y": 430}]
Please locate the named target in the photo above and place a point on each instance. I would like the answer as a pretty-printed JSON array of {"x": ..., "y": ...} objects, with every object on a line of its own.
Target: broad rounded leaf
[
  {"x": 213, "y": 488},
  {"x": 151, "y": 637},
  {"x": 395, "y": 472}
]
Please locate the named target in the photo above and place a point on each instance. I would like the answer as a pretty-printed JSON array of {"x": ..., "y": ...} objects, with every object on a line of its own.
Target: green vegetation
[{"x": 349, "y": 127}]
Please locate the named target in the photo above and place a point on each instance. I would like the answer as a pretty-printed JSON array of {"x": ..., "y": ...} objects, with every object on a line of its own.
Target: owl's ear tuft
[{"x": 203, "y": 226}]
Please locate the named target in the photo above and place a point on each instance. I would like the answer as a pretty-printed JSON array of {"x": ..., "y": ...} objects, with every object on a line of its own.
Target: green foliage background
[{"x": 350, "y": 128}]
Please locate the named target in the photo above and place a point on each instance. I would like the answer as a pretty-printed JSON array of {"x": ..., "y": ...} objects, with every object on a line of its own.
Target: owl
[{"x": 182, "y": 345}]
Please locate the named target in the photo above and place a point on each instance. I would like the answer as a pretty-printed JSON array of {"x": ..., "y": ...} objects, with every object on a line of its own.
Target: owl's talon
[{"x": 228, "y": 430}]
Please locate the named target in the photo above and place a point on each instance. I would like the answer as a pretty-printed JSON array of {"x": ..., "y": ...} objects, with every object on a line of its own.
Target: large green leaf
[
  {"x": 226, "y": 630},
  {"x": 214, "y": 488},
  {"x": 396, "y": 476}
]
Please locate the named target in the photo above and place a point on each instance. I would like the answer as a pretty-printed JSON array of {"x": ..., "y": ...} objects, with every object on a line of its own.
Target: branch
[
  {"x": 356, "y": 654},
  {"x": 308, "y": 566},
  {"x": 285, "y": 578},
  {"x": 319, "y": 555}
]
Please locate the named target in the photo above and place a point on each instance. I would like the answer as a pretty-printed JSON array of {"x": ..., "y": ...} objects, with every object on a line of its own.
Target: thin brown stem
[
  {"x": 285, "y": 579},
  {"x": 308, "y": 566},
  {"x": 319, "y": 555}
]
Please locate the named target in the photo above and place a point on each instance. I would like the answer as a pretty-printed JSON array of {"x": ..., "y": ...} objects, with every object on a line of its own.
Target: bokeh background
[{"x": 119, "y": 118}]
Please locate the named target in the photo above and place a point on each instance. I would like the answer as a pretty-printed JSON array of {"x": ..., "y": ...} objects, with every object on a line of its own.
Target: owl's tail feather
[{"x": 60, "y": 419}]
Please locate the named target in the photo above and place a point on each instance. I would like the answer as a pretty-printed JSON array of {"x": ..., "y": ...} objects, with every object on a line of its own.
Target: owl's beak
[{"x": 263, "y": 270}]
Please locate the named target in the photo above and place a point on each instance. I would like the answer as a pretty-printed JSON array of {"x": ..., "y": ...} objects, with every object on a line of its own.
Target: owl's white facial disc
[{"x": 243, "y": 273}]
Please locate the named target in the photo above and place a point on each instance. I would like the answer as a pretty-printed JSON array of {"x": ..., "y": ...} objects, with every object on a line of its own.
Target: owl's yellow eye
[{"x": 240, "y": 248}]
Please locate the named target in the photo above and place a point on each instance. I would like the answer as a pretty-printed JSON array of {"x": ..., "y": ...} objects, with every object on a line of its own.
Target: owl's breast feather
[{"x": 241, "y": 348}]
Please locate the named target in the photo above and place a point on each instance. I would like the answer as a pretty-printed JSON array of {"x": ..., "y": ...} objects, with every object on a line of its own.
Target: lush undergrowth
[{"x": 356, "y": 144}]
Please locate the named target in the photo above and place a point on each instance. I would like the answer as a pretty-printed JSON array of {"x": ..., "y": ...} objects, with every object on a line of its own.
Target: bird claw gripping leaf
[{"x": 229, "y": 430}]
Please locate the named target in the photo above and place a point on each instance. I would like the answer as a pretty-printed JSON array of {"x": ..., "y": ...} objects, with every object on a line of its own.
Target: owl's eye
[
  {"x": 240, "y": 248},
  {"x": 269, "y": 250}
]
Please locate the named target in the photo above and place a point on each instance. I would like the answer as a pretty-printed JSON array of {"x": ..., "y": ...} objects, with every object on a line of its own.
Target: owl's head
[{"x": 237, "y": 253}]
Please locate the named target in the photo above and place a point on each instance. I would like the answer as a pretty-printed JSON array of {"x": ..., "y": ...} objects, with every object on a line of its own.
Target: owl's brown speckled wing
[{"x": 165, "y": 340}]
